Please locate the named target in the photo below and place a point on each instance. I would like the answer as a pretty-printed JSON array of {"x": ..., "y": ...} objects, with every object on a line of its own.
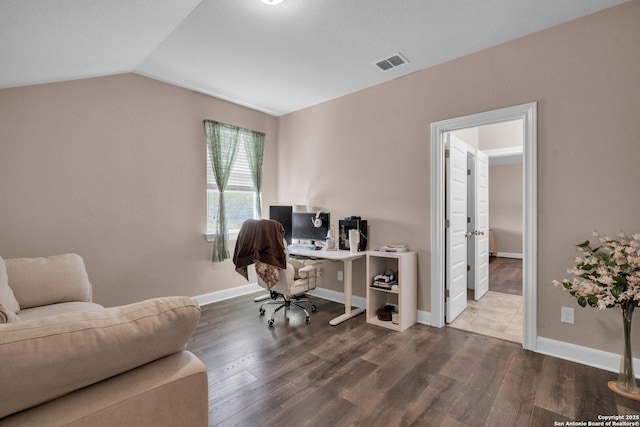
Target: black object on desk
[{"x": 352, "y": 223}]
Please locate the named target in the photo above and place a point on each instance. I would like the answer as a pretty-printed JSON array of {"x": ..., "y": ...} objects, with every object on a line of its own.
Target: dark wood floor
[
  {"x": 505, "y": 275},
  {"x": 314, "y": 374}
]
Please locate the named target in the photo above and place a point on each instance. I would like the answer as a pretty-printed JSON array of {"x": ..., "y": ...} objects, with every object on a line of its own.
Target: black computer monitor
[
  {"x": 282, "y": 214},
  {"x": 312, "y": 226}
]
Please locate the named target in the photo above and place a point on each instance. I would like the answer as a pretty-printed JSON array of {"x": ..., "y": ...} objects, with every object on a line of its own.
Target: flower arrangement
[{"x": 608, "y": 276}]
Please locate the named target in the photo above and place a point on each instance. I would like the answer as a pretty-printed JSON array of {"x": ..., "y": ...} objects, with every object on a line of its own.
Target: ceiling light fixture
[{"x": 272, "y": 2}]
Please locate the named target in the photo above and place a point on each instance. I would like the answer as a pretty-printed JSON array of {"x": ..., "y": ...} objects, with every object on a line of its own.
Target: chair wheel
[
  {"x": 262, "y": 312},
  {"x": 270, "y": 322},
  {"x": 313, "y": 307}
]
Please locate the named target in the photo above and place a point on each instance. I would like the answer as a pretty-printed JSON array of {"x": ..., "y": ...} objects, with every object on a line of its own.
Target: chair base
[{"x": 286, "y": 303}]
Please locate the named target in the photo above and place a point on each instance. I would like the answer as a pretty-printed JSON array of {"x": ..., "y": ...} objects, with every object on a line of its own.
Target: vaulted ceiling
[{"x": 276, "y": 59}]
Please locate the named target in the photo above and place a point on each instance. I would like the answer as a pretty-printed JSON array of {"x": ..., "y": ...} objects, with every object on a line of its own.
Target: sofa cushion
[
  {"x": 46, "y": 358},
  {"x": 7, "y": 299},
  {"x": 56, "y": 309},
  {"x": 7, "y": 316},
  {"x": 42, "y": 281}
]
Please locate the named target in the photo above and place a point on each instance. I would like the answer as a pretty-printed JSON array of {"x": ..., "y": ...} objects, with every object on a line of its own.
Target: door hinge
[
  {"x": 446, "y": 294},
  {"x": 469, "y": 172},
  {"x": 447, "y": 153},
  {"x": 468, "y": 220},
  {"x": 446, "y": 223},
  {"x": 468, "y": 267}
]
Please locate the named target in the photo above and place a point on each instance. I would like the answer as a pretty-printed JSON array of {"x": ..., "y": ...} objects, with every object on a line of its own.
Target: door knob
[
  {"x": 478, "y": 233},
  {"x": 469, "y": 234}
]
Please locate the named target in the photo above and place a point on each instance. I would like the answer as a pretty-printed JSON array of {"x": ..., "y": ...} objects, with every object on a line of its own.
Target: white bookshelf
[{"x": 405, "y": 298}]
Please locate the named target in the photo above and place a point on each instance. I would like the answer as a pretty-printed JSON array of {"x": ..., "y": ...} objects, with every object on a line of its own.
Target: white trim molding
[
  {"x": 527, "y": 113},
  {"x": 424, "y": 317},
  {"x": 583, "y": 355},
  {"x": 510, "y": 255},
  {"x": 224, "y": 294},
  {"x": 505, "y": 156}
]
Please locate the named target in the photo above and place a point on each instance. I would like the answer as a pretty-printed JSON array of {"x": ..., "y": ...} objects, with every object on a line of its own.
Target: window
[
  {"x": 239, "y": 195},
  {"x": 234, "y": 157}
]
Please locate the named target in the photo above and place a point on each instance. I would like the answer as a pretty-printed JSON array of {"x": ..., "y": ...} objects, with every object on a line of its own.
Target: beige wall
[
  {"x": 505, "y": 207},
  {"x": 368, "y": 153},
  {"x": 505, "y": 186},
  {"x": 114, "y": 169}
]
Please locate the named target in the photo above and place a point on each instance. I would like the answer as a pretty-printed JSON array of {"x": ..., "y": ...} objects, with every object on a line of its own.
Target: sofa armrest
[
  {"x": 43, "y": 359},
  {"x": 41, "y": 281},
  {"x": 170, "y": 391}
]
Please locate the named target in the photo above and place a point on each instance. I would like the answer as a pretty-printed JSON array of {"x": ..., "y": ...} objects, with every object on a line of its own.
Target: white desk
[{"x": 347, "y": 258}]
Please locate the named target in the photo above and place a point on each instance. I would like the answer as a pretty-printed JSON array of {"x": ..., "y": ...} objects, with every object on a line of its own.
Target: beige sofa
[{"x": 65, "y": 361}]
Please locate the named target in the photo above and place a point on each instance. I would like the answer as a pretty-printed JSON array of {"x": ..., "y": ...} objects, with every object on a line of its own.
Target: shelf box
[{"x": 405, "y": 297}]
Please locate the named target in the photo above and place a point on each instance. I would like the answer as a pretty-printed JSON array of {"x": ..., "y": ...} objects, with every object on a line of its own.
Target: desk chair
[
  {"x": 262, "y": 242},
  {"x": 289, "y": 291}
]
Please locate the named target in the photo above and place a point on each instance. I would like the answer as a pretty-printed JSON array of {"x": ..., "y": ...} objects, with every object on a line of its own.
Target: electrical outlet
[
  {"x": 340, "y": 275},
  {"x": 566, "y": 315}
]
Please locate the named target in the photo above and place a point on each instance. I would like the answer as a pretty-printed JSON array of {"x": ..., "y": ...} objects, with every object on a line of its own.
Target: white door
[
  {"x": 456, "y": 240},
  {"x": 481, "y": 255}
]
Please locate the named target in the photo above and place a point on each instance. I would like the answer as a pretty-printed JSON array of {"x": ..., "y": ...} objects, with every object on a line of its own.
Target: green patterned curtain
[
  {"x": 222, "y": 140},
  {"x": 254, "y": 147}
]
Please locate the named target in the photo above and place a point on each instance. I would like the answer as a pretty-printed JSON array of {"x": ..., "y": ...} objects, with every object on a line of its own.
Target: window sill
[{"x": 211, "y": 237}]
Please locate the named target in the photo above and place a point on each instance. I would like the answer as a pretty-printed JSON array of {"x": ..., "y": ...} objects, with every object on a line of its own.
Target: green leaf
[
  {"x": 582, "y": 301},
  {"x": 620, "y": 281},
  {"x": 584, "y": 244},
  {"x": 593, "y": 300},
  {"x": 616, "y": 291}
]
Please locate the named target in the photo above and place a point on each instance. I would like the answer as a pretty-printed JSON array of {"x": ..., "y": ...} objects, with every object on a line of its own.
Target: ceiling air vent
[{"x": 391, "y": 62}]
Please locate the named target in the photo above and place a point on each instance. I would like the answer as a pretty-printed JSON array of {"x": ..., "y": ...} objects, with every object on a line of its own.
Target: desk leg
[{"x": 348, "y": 285}]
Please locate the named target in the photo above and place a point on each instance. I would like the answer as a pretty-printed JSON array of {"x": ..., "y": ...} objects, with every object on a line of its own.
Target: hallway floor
[{"x": 496, "y": 314}]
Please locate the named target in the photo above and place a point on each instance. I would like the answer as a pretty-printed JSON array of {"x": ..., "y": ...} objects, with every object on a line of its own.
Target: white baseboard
[
  {"x": 424, "y": 317},
  {"x": 583, "y": 355},
  {"x": 509, "y": 255},
  {"x": 327, "y": 294},
  {"x": 227, "y": 293}
]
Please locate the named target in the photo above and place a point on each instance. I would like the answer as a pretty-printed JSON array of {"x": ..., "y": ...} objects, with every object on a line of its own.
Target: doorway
[
  {"x": 467, "y": 224},
  {"x": 494, "y": 233},
  {"x": 528, "y": 114}
]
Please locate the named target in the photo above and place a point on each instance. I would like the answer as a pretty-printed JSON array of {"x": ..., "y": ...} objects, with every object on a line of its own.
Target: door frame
[{"x": 528, "y": 114}]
